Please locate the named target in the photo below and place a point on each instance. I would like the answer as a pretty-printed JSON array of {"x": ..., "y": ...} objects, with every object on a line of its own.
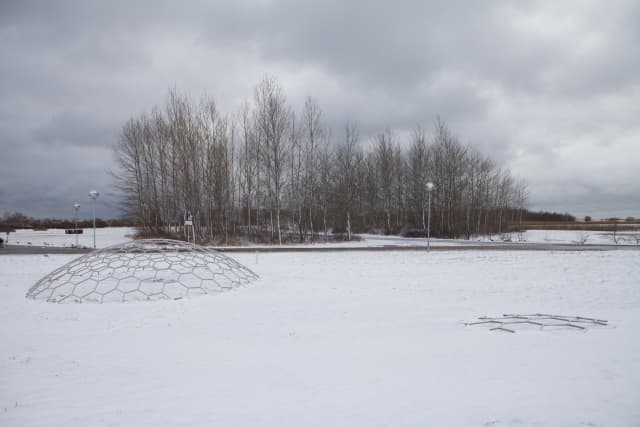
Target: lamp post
[
  {"x": 429, "y": 190},
  {"x": 93, "y": 195},
  {"x": 76, "y": 206}
]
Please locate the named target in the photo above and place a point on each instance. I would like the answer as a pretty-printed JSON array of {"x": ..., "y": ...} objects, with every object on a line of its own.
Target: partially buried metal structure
[
  {"x": 142, "y": 270},
  {"x": 539, "y": 321}
]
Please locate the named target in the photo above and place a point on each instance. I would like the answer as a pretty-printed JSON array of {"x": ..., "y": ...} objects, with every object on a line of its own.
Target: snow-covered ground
[
  {"x": 56, "y": 237},
  {"x": 582, "y": 237},
  {"x": 569, "y": 236},
  {"x": 340, "y": 339},
  {"x": 110, "y": 236}
]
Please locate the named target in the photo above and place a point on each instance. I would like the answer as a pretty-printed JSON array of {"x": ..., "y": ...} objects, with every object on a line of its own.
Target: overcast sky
[{"x": 550, "y": 90}]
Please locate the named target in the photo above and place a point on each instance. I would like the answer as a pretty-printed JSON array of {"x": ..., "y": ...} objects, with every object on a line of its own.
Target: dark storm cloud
[{"x": 550, "y": 90}]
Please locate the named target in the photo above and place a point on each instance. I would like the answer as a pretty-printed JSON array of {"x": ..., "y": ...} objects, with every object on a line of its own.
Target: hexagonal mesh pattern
[{"x": 142, "y": 270}]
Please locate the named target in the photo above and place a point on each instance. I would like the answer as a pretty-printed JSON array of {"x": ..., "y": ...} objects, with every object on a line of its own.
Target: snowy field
[
  {"x": 339, "y": 339},
  {"x": 56, "y": 237},
  {"x": 577, "y": 237},
  {"x": 113, "y": 235}
]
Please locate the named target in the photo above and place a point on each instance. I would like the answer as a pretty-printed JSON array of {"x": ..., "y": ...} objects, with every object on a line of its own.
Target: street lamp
[
  {"x": 76, "y": 205},
  {"x": 429, "y": 190},
  {"x": 93, "y": 195}
]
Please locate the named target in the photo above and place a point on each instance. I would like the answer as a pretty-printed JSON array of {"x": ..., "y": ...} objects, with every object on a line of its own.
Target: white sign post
[{"x": 188, "y": 222}]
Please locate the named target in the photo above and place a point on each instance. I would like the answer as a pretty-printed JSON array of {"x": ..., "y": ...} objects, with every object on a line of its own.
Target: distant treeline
[
  {"x": 547, "y": 216},
  {"x": 16, "y": 220},
  {"x": 269, "y": 173}
]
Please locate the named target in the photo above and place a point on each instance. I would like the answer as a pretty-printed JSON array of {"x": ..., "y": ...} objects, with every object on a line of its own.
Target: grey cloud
[
  {"x": 46, "y": 181},
  {"x": 589, "y": 200},
  {"x": 74, "y": 129},
  {"x": 406, "y": 43},
  {"x": 524, "y": 82}
]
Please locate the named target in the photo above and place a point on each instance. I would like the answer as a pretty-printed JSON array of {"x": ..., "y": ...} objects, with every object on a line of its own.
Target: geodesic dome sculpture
[{"x": 142, "y": 270}]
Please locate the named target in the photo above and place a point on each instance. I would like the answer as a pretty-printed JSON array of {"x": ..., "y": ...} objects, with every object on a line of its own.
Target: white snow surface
[
  {"x": 578, "y": 237},
  {"x": 107, "y": 236},
  {"x": 113, "y": 235},
  {"x": 340, "y": 339}
]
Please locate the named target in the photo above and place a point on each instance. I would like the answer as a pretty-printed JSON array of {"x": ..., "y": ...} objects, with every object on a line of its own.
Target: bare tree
[
  {"x": 273, "y": 117},
  {"x": 387, "y": 173},
  {"x": 267, "y": 171},
  {"x": 314, "y": 135},
  {"x": 418, "y": 175},
  {"x": 347, "y": 161}
]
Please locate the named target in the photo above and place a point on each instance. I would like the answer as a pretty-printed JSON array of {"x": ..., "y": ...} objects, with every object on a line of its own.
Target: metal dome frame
[{"x": 142, "y": 270}]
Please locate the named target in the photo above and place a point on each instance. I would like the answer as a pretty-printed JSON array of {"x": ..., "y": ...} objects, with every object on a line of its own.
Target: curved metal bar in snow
[
  {"x": 514, "y": 322},
  {"x": 142, "y": 270}
]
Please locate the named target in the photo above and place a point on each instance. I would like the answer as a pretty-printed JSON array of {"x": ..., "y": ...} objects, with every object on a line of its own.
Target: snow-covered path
[{"x": 353, "y": 339}]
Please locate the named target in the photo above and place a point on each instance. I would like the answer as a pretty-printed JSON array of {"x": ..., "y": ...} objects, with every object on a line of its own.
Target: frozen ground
[
  {"x": 570, "y": 236},
  {"x": 110, "y": 236},
  {"x": 114, "y": 235},
  {"x": 55, "y": 237},
  {"x": 340, "y": 339}
]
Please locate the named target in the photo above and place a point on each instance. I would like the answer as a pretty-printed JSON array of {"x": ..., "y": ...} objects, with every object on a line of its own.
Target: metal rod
[
  {"x": 429, "y": 225},
  {"x": 76, "y": 229},
  {"x": 93, "y": 209}
]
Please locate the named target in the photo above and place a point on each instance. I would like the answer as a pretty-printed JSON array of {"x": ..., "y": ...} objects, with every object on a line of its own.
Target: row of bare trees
[{"x": 269, "y": 174}]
